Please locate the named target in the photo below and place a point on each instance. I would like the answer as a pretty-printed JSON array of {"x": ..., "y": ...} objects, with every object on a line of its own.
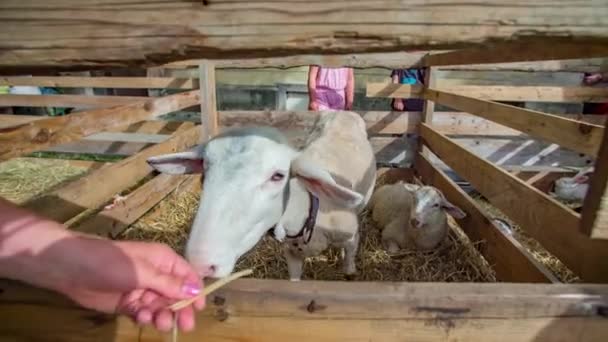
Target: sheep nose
[
  {"x": 415, "y": 223},
  {"x": 205, "y": 271}
]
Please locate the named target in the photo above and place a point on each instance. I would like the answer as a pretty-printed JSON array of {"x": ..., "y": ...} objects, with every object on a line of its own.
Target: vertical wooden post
[
  {"x": 594, "y": 219},
  {"x": 209, "y": 117},
  {"x": 429, "y": 106}
]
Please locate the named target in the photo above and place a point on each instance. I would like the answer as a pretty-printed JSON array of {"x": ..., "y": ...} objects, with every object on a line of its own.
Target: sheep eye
[
  {"x": 436, "y": 205},
  {"x": 277, "y": 176}
]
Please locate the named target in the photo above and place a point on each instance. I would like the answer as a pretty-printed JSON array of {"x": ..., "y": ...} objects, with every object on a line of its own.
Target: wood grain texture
[
  {"x": 594, "y": 222},
  {"x": 95, "y": 189},
  {"x": 518, "y": 52},
  {"x": 533, "y": 210},
  {"x": 52, "y": 131},
  {"x": 509, "y": 259},
  {"x": 496, "y": 93},
  {"x": 100, "y": 82},
  {"x": 209, "y": 116},
  {"x": 112, "y": 222},
  {"x": 263, "y": 310},
  {"x": 572, "y": 134},
  {"x": 395, "y": 60},
  {"x": 80, "y": 101},
  {"x": 69, "y": 33},
  {"x": 7, "y": 120}
]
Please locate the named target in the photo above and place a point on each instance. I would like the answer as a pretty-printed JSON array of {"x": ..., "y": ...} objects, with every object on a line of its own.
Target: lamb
[
  {"x": 411, "y": 216},
  {"x": 255, "y": 183}
]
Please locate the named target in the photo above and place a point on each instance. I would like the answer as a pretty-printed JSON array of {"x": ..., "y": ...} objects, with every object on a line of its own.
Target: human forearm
[
  {"x": 24, "y": 238},
  {"x": 350, "y": 89}
]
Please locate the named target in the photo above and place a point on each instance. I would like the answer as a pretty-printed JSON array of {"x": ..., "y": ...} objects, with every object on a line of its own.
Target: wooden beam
[
  {"x": 518, "y": 52},
  {"x": 378, "y": 122},
  {"x": 395, "y": 60},
  {"x": 394, "y": 90},
  {"x": 530, "y": 208},
  {"x": 594, "y": 222},
  {"x": 509, "y": 259},
  {"x": 261, "y": 310},
  {"x": 95, "y": 189},
  {"x": 575, "y": 135},
  {"x": 150, "y": 127},
  {"x": 7, "y": 120},
  {"x": 104, "y": 148},
  {"x": 496, "y": 93},
  {"x": 389, "y": 60},
  {"x": 52, "y": 131},
  {"x": 81, "y": 101},
  {"x": 113, "y": 221},
  {"x": 146, "y": 33},
  {"x": 209, "y": 117},
  {"x": 100, "y": 82}
]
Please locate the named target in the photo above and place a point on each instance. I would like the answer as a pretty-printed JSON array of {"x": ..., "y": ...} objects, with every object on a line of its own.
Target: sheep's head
[{"x": 429, "y": 202}]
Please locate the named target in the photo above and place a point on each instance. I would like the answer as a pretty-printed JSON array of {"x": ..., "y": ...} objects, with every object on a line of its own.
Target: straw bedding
[
  {"x": 562, "y": 272},
  {"x": 22, "y": 179}
]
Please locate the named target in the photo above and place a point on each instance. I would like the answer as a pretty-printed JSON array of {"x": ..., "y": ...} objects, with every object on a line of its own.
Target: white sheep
[
  {"x": 411, "y": 216},
  {"x": 254, "y": 181},
  {"x": 339, "y": 143},
  {"x": 572, "y": 189}
]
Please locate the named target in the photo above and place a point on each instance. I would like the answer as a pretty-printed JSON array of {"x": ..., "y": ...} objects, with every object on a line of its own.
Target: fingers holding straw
[{"x": 209, "y": 289}]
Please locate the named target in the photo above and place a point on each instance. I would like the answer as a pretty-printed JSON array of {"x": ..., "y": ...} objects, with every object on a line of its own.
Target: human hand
[
  {"x": 593, "y": 79},
  {"x": 398, "y": 105},
  {"x": 137, "y": 279},
  {"x": 349, "y": 105},
  {"x": 313, "y": 105}
]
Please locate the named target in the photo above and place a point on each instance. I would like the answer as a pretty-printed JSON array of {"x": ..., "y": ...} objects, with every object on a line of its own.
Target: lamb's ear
[
  {"x": 178, "y": 163},
  {"x": 452, "y": 209},
  {"x": 321, "y": 184}
]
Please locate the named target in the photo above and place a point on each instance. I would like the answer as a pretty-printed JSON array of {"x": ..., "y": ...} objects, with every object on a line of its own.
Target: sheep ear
[
  {"x": 451, "y": 209},
  {"x": 177, "y": 163},
  {"x": 411, "y": 187},
  {"x": 321, "y": 183}
]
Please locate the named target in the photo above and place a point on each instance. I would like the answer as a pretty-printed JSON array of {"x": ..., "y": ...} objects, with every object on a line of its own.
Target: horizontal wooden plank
[
  {"x": 575, "y": 135},
  {"x": 99, "y": 82},
  {"x": 105, "y": 148},
  {"x": 7, "y": 120},
  {"x": 531, "y": 209},
  {"x": 127, "y": 137},
  {"x": 518, "y": 52},
  {"x": 262, "y": 310},
  {"x": 389, "y": 60},
  {"x": 93, "y": 190},
  {"x": 153, "y": 33},
  {"x": 80, "y": 101},
  {"x": 376, "y": 122},
  {"x": 393, "y": 90},
  {"x": 150, "y": 127},
  {"x": 52, "y": 131},
  {"x": 509, "y": 259},
  {"x": 394, "y": 60},
  {"x": 496, "y": 93},
  {"x": 112, "y": 221}
]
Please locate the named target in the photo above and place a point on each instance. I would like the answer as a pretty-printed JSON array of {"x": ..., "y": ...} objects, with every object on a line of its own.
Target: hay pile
[
  {"x": 22, "y": 179},
  {"x": 456, "y": 260},
  {"x": 533, "y": 246}
]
